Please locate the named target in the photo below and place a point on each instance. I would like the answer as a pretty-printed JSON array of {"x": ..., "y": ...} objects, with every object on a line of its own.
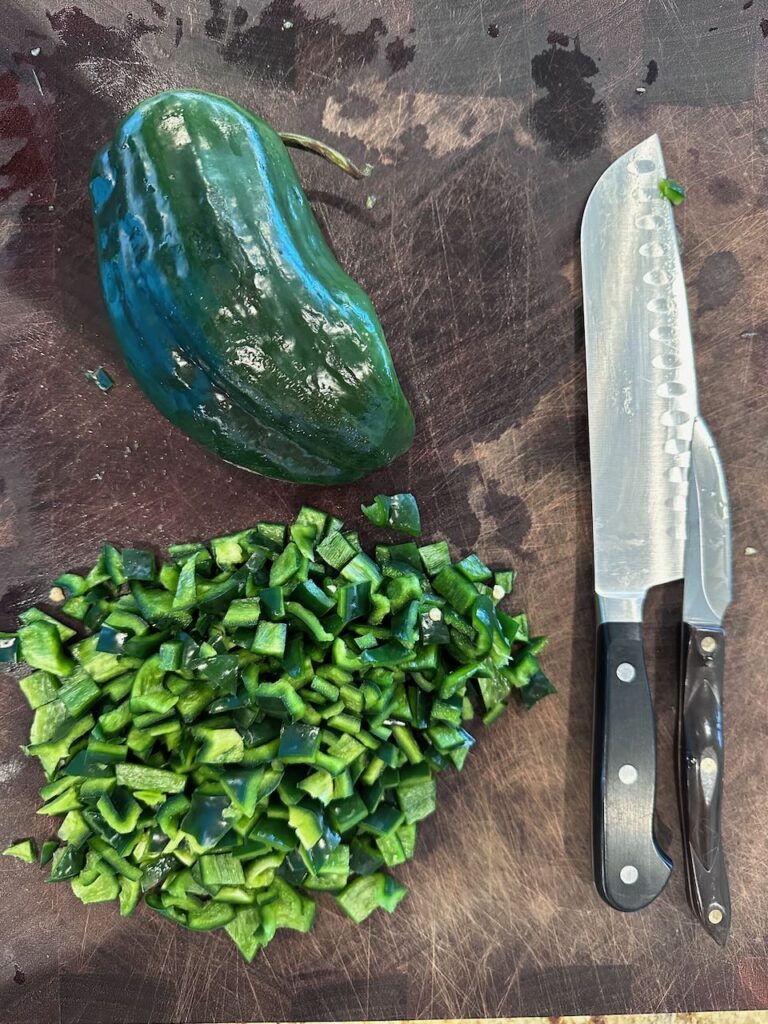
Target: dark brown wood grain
[{"x": 486, "y": 139}]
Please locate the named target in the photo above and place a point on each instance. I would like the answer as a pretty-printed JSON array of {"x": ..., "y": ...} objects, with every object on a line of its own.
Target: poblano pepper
[{"x": 230, "y": 308}]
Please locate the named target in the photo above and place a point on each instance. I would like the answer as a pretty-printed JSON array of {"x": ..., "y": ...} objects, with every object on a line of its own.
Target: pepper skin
[{"x": 230, "y": 308}]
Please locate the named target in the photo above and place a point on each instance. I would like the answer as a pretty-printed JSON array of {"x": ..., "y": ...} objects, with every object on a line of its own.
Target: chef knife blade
[
  {"x": 706, "y": 596},
  {"x": 642, "y": 403}
]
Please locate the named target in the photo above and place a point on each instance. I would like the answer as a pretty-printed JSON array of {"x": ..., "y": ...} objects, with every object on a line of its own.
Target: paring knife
[
  {"x": 642, "y": 407},
  {"x": 706, "y": 596}
]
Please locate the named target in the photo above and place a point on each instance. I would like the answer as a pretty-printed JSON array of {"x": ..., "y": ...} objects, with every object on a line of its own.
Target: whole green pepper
[{"x": 230, "y": 308}]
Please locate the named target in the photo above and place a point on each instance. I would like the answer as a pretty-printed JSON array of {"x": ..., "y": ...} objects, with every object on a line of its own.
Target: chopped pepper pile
[{"x": 261, "y": 718}]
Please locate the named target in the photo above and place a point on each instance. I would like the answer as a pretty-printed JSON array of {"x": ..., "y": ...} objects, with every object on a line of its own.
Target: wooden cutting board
[{"x": 488, "y": 123}]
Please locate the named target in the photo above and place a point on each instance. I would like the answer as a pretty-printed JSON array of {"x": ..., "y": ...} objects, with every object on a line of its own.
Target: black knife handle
[
  {"x": 700, "y": 737},
  {"x": 630, "y": 868}
]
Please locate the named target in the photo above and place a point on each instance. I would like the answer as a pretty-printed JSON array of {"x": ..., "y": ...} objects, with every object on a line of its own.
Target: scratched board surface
[{"x": 488, "y": 122}]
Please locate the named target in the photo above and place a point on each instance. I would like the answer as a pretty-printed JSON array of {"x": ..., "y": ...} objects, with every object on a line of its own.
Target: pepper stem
[{"x": 331, "y": 155}]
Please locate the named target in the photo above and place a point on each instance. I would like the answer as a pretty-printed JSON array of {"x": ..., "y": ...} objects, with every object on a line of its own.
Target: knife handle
[
  {"x": 700, "y": 738},
  {"x": 630, "y": 868}
]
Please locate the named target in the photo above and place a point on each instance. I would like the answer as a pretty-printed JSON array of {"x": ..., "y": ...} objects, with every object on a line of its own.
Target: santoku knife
[
  {"x": 706, "y": 596},
  {"x": 642, "y": 407}
]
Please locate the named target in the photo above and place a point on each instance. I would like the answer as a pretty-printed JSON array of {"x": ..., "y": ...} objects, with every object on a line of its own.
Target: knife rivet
[
  {"x": 628, "y": 874},
  {"x": 709, "y": 645},
  {"x": 625, "y": 672},
  {"x": 715, "y": 916},
  {"x": 708, "y": 766},
  {"x": 628, "y": 774}
]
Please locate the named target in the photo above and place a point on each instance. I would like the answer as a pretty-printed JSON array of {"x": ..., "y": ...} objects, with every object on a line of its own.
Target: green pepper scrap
[
  {"x": 23, "y": 850},
  {"x": 398, "y": 512},
  {"x": 672, "y": 190},
  {"x": 245, "y": 725},
  {"x": 100, "y": 378}
]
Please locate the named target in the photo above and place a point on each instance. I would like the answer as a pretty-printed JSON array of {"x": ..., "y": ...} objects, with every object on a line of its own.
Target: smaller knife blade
[{"x": 706, "y": 596}]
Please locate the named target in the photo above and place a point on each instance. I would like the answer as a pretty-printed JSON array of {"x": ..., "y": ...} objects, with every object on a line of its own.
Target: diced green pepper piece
[
  {"x": 672, "y": 190},
  {"x": 299, "y": 743},
  {"x": 242, "y": 613},
  {"x": 538, "y": 686},
  {"x": 194, "y": 700},
  {"x": 220, "y": 869},
  {"x": 366, "y": 894},
  {"x": 221, "y": 671},
  {"x": 129, "y": 894},
  {"x": 389, "y": 654},
  {"x": 435, "y": 557},
  {"x": 170, "y": 811},
  {"x": 219, "y": 746},
  {"x": 319, "y": 786},
  {"x": 113, "y": 564},
  {"x": 417, "y": 799},
  {"x": 473, "y": 569},
  {"x": 346, "y": 814},
  {"x": 138, "y": 565},
  {"x": 270, "y": 639},
  {"x": 9, "y": 648},
  {"x": 47, "y": 850},
  {"x": 72, "y": 584},
  {"x": 41, "y": 647},
  {"x": 185, "y": 592},
  {"x": 156, "y": 871},
  {"x": 384, "y": 820},
  {"x": 346, "y": 748},
  {"x": 139, "y": 776},
  {"x": 100, "y": 378},
  {"x": 23, "y": 850},
  {"x": 67, "y": 863},
  {"x": 279, "y": 700},
  {"x": 74, "y": 829},
  {"x": 119, "y": 810},
  {"x": 391, "y": 849},
  {"x": 308, "y": 825},
  {"x": 79, "y": 693},
  {"x": 36, "y": 615},
  {"x": 63, "y": 734},
  {"x": 275, "y": 832},
  {"x": 212, "y": 915},
  {"x": 400, "y": 558},
  {"x": 292, "y": 909},
  {"x": 312, "y": 597},
  {"x": 335, "y": 550},
  {"x": 272, "y": 600},
  {"x": 96, "y": 885},
  {"x": 118, "y": 863},
  {"x": 39, "y": 688},
  {"x": 205, "y": 821},
  {"x": 244, "y": 930},
  {"x": 458, "y": 591},
  {"x": 354, "y": 601},
  {"x": 286, "y": 566},
  {"x": 449, "y": 710},
  {"x": 245, "y": 788},
  {"x": 403, "y": 590},
  {"x": 362, "y": 569},
  {"x": 169, "y": 655},
  {"x": 66, "y": 801},
  {"x": 398, "y": 512},
  {"x": 309, "y": 516}
]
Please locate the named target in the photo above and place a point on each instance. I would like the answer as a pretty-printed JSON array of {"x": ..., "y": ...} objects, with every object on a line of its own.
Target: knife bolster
[{"x": 627, "y": 608}]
